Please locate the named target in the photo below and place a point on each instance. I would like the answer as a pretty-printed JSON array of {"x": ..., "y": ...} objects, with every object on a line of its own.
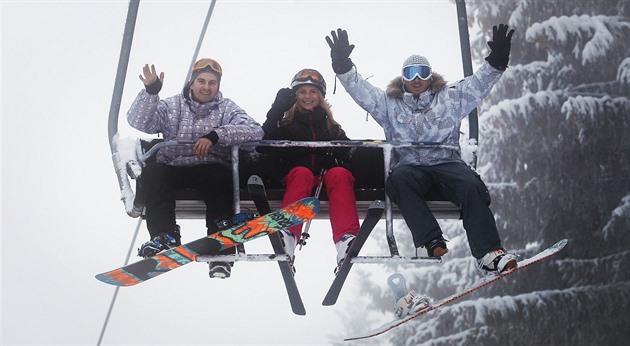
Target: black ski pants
[
  {"x": 408, "y": 185},
  {"x": 160, "y": 181}
]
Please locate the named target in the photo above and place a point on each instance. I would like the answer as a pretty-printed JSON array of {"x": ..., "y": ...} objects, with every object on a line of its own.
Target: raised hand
[
  {"x": 500, "y": 46},
  {"x": 285, "y": 99},
  {"x": 340, "y": 49},
  {"x": 149, "y": 77}
]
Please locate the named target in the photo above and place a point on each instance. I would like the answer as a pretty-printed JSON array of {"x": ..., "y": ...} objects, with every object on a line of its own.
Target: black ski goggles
[{"x": 423, "y": 72}]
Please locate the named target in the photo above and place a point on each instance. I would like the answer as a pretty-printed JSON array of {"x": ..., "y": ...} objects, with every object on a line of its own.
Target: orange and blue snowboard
[{"x": 135, "y": 273}]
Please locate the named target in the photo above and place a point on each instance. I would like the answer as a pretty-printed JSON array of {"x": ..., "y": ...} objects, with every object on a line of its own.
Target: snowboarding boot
[
  {"x": 407, "y": 302},
  {"x": 497, "y": 261},
  {"x": 162, "y": 241},
  {"x": 436, "y": 247},
  {"x": 220, "y": 270},
  {"x": 223, "y": 270}
]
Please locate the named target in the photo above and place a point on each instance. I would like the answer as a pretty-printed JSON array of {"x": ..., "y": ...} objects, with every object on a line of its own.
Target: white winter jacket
[{"x": 434, "y": 117}]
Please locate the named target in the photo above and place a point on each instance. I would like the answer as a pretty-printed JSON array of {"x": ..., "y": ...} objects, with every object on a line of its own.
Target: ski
[
  {"x": 374, "y": 214},
  {"x": 258, "y": 194},
  {"x": 148, "y": 268},
  {"x": 484, "y": 281}
]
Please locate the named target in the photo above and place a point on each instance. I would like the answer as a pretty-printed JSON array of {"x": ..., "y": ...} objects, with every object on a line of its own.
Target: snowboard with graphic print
[{"x": 148, "y": 268}]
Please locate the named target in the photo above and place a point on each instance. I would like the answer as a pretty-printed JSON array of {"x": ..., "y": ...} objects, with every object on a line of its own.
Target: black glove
[
  {"x": 500, "y": 45},
  {"x": 285, "y": 99},
  {"x": 154, "y": 88},
  {"x": 340, "y": 49}
]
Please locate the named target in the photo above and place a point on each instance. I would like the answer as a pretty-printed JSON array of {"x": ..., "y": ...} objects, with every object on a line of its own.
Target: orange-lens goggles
[
  {"x": 309, "y": 75},
  {"x": 206, "y": 62}
]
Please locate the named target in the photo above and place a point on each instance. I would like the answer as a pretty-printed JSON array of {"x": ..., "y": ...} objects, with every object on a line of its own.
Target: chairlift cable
[
  {"x": 201, "y": 37},
  {"x": 111, "y": 305},
  {"x": 121, "y": 73},
  {"x": 464, "y": 41}
]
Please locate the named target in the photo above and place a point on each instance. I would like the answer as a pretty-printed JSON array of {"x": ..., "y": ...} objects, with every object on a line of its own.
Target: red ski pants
[{"x": 339, "y": 184}]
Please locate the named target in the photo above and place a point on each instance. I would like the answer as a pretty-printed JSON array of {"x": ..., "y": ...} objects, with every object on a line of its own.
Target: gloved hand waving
[
  {"x": 340, "y": 49},
  {"x": 500, "y": 45},
  {"x": 285, "y": 98}
]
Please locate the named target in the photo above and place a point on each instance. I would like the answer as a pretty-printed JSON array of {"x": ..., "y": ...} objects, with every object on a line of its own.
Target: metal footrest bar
[
  {"x": 243, "y": 257},
  {"x": 395, "y": 259}
]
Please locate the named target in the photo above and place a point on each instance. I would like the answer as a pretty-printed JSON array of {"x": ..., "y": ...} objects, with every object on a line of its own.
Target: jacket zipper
[{"x": 314, "y": 136}]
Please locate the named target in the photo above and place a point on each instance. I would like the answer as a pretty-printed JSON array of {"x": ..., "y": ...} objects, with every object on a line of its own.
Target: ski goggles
[
  {"x": 207, "y": 62},
  {"x": 423, "y": 72},
  {"x": 308, "y": 75}
]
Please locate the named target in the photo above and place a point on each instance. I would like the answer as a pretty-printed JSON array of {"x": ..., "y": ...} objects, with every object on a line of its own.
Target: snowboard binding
[{"x": 407, "y": 302}]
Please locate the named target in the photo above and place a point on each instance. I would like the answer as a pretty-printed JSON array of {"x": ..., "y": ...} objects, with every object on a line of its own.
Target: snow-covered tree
[{"x": 555, "y": 152}]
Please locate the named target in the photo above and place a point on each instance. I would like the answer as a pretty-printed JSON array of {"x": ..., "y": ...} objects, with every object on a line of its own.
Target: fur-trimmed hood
[
  {"x": 433, "y": 117},
  {"x": 395, "y": 87}
]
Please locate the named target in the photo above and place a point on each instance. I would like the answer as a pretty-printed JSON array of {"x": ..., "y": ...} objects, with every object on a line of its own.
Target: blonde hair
[{"x": 330, "y": 120}]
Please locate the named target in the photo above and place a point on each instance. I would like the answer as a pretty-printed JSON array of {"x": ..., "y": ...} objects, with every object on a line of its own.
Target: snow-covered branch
[{"x": 592, "y": 37}]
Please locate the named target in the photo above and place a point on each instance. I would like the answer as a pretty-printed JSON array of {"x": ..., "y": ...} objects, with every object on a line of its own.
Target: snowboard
[
  {"x": 258, "y": 193},
  {"x": 486, "y": 280},
  {"x": 148, "y": 268}
]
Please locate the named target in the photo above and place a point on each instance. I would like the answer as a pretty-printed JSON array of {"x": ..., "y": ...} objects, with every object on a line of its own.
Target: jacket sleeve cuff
[
  {"x": 213, "y": 137},
  {"x": 343, "y": 66},
  {"x": 154, "y": 88}
]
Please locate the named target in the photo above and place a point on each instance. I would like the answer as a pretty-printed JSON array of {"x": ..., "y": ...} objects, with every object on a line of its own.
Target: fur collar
[{"x": 395, "y": 87}]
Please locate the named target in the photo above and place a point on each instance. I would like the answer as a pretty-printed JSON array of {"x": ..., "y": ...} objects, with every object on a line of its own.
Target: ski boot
[
  {"x": 343, "y": 246},
  {"x": 407, "y": 303},
  {"x": 497, "y": 261},
  {"x": 289, "y": 243}
]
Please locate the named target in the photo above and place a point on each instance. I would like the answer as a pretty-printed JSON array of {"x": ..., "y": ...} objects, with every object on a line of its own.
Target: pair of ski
[{"x": 258, "y": 194}]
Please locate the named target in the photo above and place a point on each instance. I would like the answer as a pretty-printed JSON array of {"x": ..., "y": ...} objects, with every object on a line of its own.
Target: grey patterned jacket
[
  {"x": 434, "y": 117},
  {"x": 183, "y": 120}
]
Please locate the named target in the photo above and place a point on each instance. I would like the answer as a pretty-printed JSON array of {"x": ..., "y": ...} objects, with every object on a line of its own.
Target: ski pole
[{"x": 318, "y": 190}]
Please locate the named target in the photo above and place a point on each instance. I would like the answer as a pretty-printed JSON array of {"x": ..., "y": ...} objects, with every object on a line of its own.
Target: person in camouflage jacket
[{"x": 420, "y": 106}]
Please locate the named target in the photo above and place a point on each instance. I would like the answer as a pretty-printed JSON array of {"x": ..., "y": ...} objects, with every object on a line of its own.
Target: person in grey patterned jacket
[
  {"x": 209, "y": 123},
  {"x": 419, "y": 106}
]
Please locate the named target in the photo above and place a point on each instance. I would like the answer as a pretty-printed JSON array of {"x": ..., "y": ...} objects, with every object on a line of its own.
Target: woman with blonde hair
[{"x": 301, "y": 113}]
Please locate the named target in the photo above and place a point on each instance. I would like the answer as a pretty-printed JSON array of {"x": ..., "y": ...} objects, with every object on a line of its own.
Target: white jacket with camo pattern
[
  {"x": 183, "y": 120},
  {"x": 433, "y": 117}
]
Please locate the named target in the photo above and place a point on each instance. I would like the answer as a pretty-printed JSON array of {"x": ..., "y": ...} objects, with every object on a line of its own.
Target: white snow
[
  {"x": 596, "y": 30},
  {"x": 619, "y": 215},
  {"x": 623, "y": 72},
  {"x": 124, "y": 151}
]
